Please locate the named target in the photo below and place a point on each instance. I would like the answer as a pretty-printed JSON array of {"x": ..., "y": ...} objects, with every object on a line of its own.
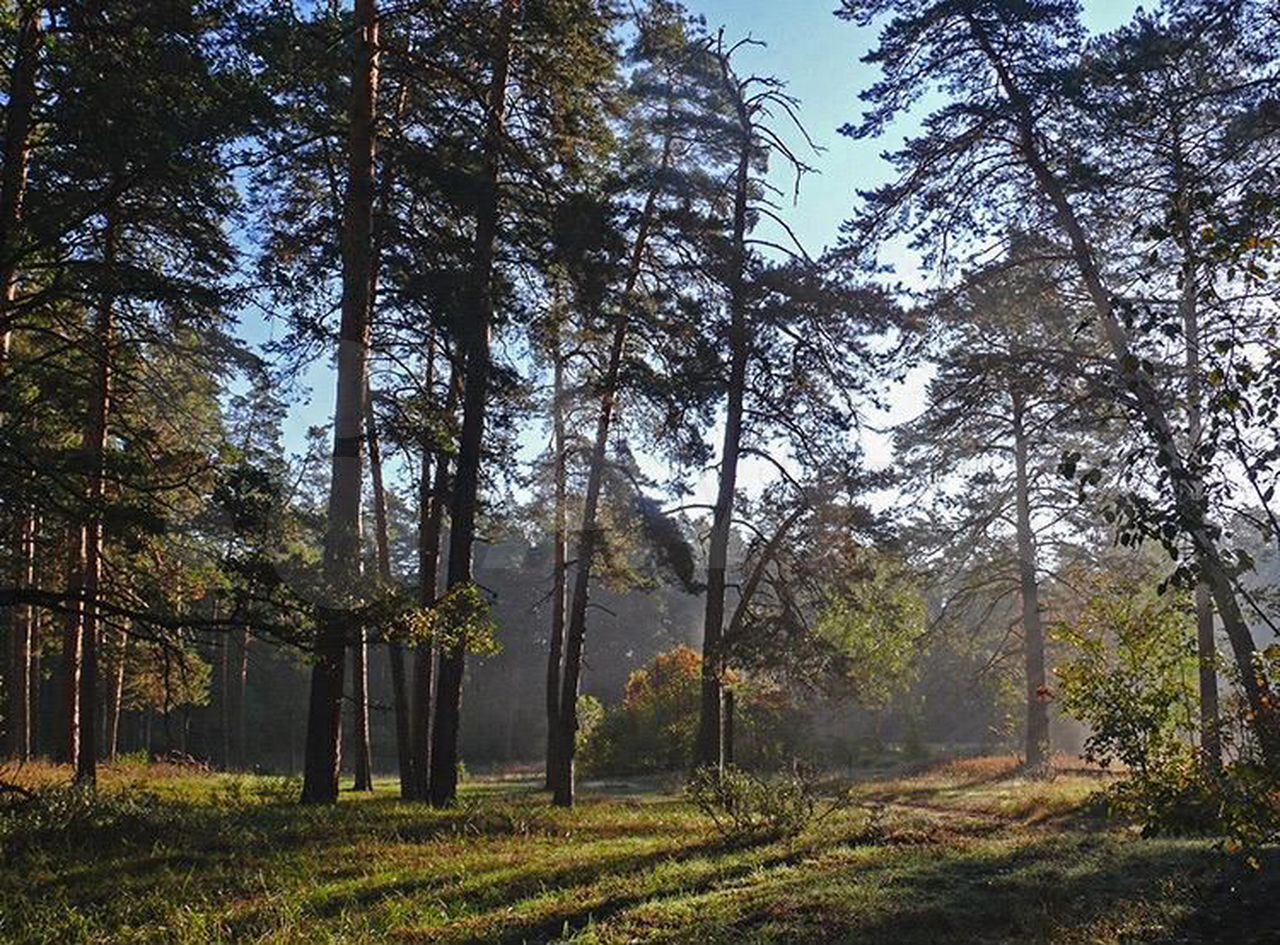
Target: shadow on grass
[{"x": 1069, "y": 889}]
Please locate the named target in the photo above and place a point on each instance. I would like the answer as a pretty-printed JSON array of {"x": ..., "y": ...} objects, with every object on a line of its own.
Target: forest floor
[{"x": 957, "y": 853}]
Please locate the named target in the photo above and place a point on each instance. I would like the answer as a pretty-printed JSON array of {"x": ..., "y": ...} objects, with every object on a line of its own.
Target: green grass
[{"x": 964, "y": 852}]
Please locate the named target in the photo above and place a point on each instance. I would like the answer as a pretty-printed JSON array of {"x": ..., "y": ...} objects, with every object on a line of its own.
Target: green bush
[
  {"x": 1133, "y": 682},
  {"x": 742, "y": 804}
]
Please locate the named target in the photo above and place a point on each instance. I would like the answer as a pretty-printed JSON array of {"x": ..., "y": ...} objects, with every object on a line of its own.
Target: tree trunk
[
  {"x": 360, "y": 711},
  {"x": 224, "y": 681},
  {"x": 1206, "y": 644},
  {"x": 730, "y": 712},
  {"x": 395, "y": 650},
  {"x": 463, "y": 502},
  {"x": 710, "y": 745},
  {"x": 555, "y": 649},
  {"x": 22, "y": 646},
  {"x": 561, "y": 754},
  {"x": 433, "y": 493},
  {"x": 1037, "y": 731},
  {"x": 68, "y": 741},
  {"x": 116, "y": 702},
  {"x": 342, "y": 537},
  {"x": 1187, "y": 484},
  {"x": 240, "y": 678},
  {"x": 17, "y": 155},
  {"x": 95, "y": 445},
  {"x": 13, "y": 191},
  {"x": 566, "y": 732}
]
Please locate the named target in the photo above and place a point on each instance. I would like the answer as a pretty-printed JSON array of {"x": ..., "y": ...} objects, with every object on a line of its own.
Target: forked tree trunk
[
  {"x": 382, "y": 538},
  {"x": 588, "y": 543},
  {"x": 433, "y": 496},
  {"x": 1187, "y": 483},
  {"x": 555, "y": 648},
  {"x": 561, "y": 754},
  {"x": 95, "y": 444},
  {"x": 342, "y": 537},
  {"x": 463, "y": 502},
  {"x": 1037, "y": 709}
]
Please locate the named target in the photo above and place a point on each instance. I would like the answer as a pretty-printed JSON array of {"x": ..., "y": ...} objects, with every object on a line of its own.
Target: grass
[{"x": 964, "y": 852}]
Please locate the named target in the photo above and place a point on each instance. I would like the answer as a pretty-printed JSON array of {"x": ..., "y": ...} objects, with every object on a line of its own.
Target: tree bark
[
  {"x": 395, "y": 650},
  {"x": 360, "y": 711},
  {"x": 588, "y": 543},
  {"x": 433, "y": 497},
  {"x": 1037, "y": 727},
  {"x": 95, "y": 445},
  {"x": 240, "y": 678},
  {"x": 342, "y": 538},
  {"x": 1188, "y": 486},
  {"x": 710, "y": 744},
  {"x": 22, "y": 645},
  {"x": 13, "y": 191},
  {"x": 115, "y": 704},
  {"x": 17, "y": 156},
  {"x": 463, "y": 501},
  {"x": 68, "y": 742},
  {"x": 561, "y": 754},
  {"x": 555, "y": 648},
  {"x": 730, "y": 715},
  {"x": 1206, "y": 644}
]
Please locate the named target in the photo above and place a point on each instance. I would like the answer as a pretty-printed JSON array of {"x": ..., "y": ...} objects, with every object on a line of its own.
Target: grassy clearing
[{"x": 965, "y": 852}]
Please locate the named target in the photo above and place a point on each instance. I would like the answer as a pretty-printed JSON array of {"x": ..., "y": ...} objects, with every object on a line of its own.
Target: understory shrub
[
  {"x": 744, "y": 804},
  {"x": 1133, "y": 681}
]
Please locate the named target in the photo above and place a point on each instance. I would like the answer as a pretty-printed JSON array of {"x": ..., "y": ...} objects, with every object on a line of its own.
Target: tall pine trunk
[
  {"x": 68, "y": 740},
  {"x": 95, "y": 445},
  {"x": 1206, "y": 644},
  {"x": 17, "y": 156},
  {"x": 710, "y": 744},
  {"x": 555, "y": 648},
  {"x": 239, "y": 642},
  {"x": 1037, "y": 709},
  {"x": 360, "y": 711},
  {"x": 563, "y": 739},
  {"x": 13, "y": 191},
  {"x": 22, "y": 696},
  {"x": 115, "y": 700},
  {"x": 476, "y": 354},
  {"x": 342, "y": 537},
  {"x": 395, "y": 650},
  {"x": 562, "y": 782}
]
